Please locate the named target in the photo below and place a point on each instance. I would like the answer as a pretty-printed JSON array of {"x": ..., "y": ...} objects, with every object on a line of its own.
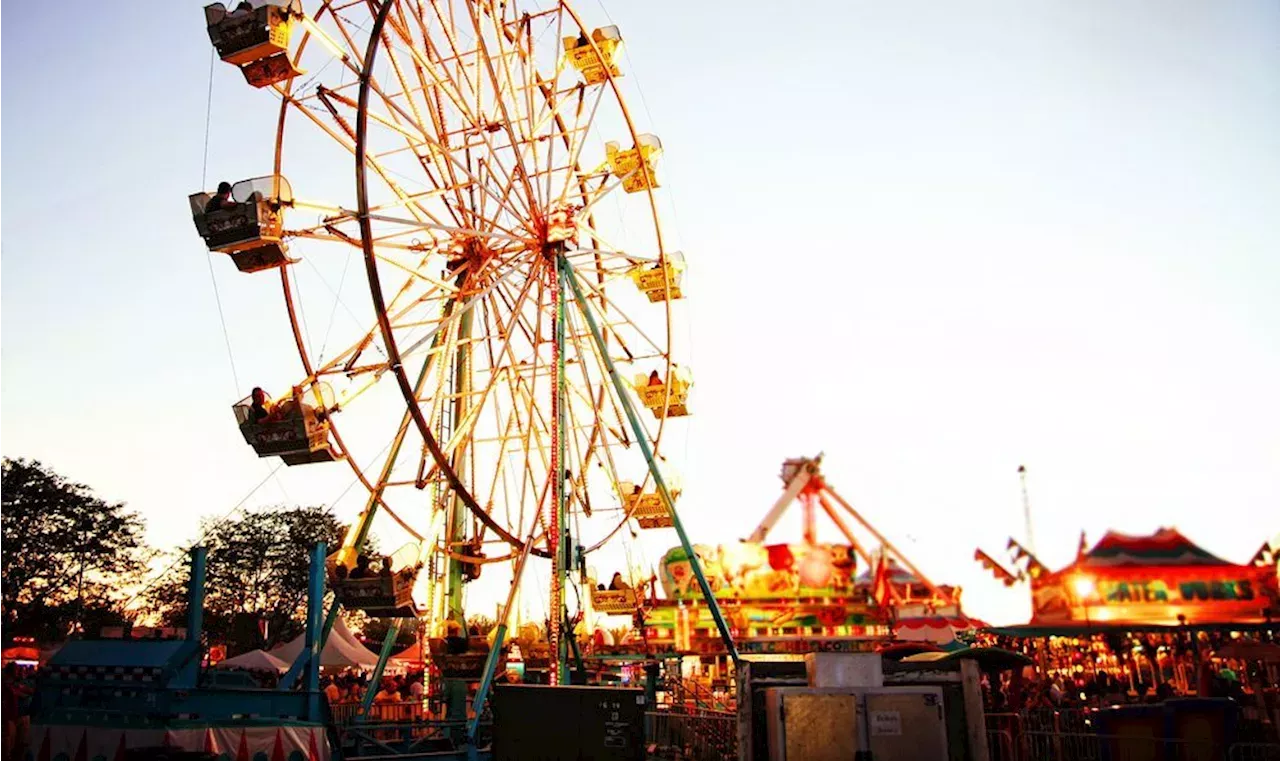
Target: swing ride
[{"x": 796, "y": 597}]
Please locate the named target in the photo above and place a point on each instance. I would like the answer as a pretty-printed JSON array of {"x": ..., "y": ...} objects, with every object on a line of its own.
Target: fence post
[{"x": 975, "y": 716}]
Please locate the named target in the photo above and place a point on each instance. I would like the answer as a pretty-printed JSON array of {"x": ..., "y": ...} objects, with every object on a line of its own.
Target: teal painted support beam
[
  {"x": 314, "y": 637},
  {"x": 629, "y": 407},
  {"x": 388, "y": 644},
  {"x": 499, "y": 638},
  {"x": 186, "y": 670},
  {"x": 486, "y": 680},
  {"x": 195, "y": 594}
]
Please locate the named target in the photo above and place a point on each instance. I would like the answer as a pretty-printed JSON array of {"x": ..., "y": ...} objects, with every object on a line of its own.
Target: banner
[
  {"x": 279, "y": 743},
  {"x": 1155, "y": 595}
]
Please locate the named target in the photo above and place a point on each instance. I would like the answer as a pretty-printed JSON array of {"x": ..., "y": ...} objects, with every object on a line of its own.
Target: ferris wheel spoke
[
  {"x": 426, "y": 138},
  {"x": 579, "y": 141},
  {"x": 448, "y": 324},
  {"x": 593, "y": 253},
  {"x": 605, "y": 391},
  {"x": 345, "y": 137},
  {"x": 508, "y": 124},
  {"x": 447, "y": 86},
  {"x": 401, "y": 27},
  {"x": 597, "y": 295},
  {"x": 410, "y": 226}
]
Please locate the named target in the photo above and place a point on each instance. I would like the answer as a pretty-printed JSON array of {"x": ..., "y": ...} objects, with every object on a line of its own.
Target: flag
[
  {"x": 1034, "y": 567},
  {"x": 1000, "y": 572},
  {"x": 882, "y": 587},
  {"x": 1264, "y": 556},
  {"x": 1082, "y": 548}
]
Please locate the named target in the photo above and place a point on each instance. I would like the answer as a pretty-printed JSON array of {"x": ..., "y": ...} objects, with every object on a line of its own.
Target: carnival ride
[
  {"x": 805, "y": 596},
  {"x": 507, "y": 213}
]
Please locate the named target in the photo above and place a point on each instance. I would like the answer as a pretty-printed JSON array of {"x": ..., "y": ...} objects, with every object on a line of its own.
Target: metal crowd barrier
[
  {"x": 1013, "y": 737},
  {"x": 680, "y": 734}
]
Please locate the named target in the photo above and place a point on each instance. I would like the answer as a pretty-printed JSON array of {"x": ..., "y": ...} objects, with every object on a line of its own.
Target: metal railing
[
  {"x": 379, "y": 713},
  {"x": 1007, "y": 741},
  {"x": 684, "y": 735},
  {"x": 1254, "y": 752}
]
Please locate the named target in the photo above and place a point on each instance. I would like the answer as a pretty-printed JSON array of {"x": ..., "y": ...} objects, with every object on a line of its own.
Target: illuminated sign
[
  {"x": 749, "y": 571},
  {"x": 1157, "y": 591},
  {"x": 1155, "y": 595}
]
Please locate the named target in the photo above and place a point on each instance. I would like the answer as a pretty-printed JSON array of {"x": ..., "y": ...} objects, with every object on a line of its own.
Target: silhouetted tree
[
  {"x": 70, "y": 557},
  {"x": 256, "y": 572}
]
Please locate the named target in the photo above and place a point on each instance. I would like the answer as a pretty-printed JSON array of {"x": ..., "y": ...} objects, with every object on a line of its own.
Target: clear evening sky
[{"x": 934, "y": 240}]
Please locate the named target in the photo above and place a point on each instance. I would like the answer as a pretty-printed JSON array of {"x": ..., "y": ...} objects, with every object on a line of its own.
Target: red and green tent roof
[{"x": 1166, "y": 547}]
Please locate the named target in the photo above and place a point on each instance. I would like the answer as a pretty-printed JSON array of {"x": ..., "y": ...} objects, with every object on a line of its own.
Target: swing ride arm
[{"x": 792, "y": 491}]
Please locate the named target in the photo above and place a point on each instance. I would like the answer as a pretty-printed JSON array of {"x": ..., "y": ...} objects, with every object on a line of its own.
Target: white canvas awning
[
  {"x": 255, "y": 660},
  {"x": 341, "y": 650}
]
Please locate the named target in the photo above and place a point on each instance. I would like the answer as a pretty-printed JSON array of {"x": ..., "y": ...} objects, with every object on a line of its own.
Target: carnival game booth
[
  {"x": 1161, "y": 579},
  {"x": 1153, "y": 611}
]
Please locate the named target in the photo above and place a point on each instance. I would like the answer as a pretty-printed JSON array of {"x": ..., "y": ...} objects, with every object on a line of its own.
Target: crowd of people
[
  {"x": 1074, "y": 676},
  {"x": 350, "y": 687},
  {"x": 15, "y": 708}
]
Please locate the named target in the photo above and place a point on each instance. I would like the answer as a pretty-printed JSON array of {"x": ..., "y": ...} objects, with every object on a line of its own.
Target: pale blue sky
[{"x": 935, "y": 240}]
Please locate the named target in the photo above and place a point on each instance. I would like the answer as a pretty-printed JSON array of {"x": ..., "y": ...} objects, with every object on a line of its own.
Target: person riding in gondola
[
  {"x": 618, "y": 583},
  {"x": 261, "y": 407},
  {"x": 220, "y": 200}
]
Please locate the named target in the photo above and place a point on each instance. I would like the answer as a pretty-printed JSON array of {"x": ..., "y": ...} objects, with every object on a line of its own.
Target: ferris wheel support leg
[
  {"x": 499, "y": 639},
  {"x": 629, "y": 407},
  {"x": 388, "y": 644}
]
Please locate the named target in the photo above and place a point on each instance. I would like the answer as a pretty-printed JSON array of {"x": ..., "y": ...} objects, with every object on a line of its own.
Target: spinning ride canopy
[
  {"x": 1161, "y": 579},
  {"x": 506, "y": 217}
]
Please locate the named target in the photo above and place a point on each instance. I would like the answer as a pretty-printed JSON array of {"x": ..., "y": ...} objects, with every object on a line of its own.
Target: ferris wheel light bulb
[{"x": 324, "y": 38}]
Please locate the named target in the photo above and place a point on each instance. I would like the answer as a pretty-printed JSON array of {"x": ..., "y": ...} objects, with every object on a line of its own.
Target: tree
[
  {"x": 483, "y": 624},
  {"x": 374, "y": 631},
  {"x": 256, "y": 572},
  {"x": 70, "y": 557}
]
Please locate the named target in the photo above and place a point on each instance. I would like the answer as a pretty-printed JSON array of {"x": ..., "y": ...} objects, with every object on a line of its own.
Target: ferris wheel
[{"x": 506, "y": 384}]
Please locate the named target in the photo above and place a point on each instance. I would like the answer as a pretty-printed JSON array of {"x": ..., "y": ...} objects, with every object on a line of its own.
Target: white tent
[
  {"x": 341, "y": 650},
  {"x": 255, "y": 660}
]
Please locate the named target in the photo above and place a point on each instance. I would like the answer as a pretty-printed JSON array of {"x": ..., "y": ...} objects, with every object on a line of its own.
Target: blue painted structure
[{"x": 114, "y": 685}]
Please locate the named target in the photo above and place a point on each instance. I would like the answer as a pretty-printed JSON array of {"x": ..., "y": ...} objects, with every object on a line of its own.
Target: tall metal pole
[
  {"x": 456, "y": 533},
  {"x": 629, "y": 407},
  {"x": 455, "y": 690},
  {"x": 556, "y": 637},
  {"x": 1026, "y": 508}
]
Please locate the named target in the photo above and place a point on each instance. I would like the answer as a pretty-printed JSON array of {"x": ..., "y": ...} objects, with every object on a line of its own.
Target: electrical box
[
  {"x": 542, "y": 723},
  {"x": 845, "y": 724},
  {"x": 905, "y": 724},
  {"x": 810, "y": 725}
]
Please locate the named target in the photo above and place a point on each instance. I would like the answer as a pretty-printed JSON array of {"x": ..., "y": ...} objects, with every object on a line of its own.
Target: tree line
[{"x": 74, "y": 563}]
